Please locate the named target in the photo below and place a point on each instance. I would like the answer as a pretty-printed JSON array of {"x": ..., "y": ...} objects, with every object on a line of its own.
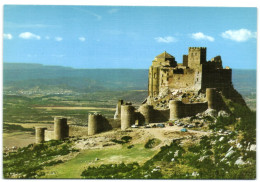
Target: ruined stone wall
[
  {"x": 114, "y": 123},
  {"x": 180, "y": 78},
  {"x": 179, "y": 109},
  {"x": 127, "y": 116},
  {"x": 164, "y": 78},
  {"x": 118, "y": 109},
  {"x": 194, "y": 108},
  {"x": 185, "y": 60},
  {"x": 40, "y": 134},
  {"x": 216, "y": 78},
  {"x": 198, "y": 78},
  {"x": 183, "y": 80},
  {"x": 161, "y": 115},
  {"x": 147, "y": 112},
  {"x": 75, "y": 130},
  {"x": 154, "y": 75},
  {"x": 49, "y": 135},
  {"x": 97, "y": 123},
  {"x": 61, "y": 128}
]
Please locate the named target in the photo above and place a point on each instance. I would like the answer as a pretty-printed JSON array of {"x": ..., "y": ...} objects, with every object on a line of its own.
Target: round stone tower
[
  {"x": 40, "y": 134},
  {"x": 60, "y": 128},
  {"x": 211, "y": 98},
  {"x": 93, "y": 123},
  {"x": 127, "y": 116},
  {"x": 146, "y": 111},
  {"x": 175, "y": 109}
]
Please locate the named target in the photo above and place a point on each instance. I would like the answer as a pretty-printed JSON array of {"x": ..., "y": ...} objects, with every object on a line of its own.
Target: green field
[
  {"x": 37, "y": 110},
  {"x": 87, "y": 158}
]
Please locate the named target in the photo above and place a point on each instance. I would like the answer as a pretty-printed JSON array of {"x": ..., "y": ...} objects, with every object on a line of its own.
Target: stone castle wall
[
  {"x": 195, "y": 73},
  {"x": 160, "y": 115},
  {"x": 179, "y": 109},
  {"x": 197, "y": 56},
  {"x": 49, "y": 135},
  {"x": 182, "y": 80},
  {"x": 220, "y": 78},
  {"x": 75, "y": 130}
]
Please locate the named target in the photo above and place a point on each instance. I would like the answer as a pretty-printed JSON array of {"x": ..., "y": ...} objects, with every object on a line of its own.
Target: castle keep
[{"x": 195, "y": 73}]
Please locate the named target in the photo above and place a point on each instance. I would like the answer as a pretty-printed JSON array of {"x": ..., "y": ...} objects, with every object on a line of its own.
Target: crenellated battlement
[{"x": 197, "y": 48}]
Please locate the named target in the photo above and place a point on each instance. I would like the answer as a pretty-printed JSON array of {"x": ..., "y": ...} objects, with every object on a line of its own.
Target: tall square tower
[{"x": 197, "y": 56}]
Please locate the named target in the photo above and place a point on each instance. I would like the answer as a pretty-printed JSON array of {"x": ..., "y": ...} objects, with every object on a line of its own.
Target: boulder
[
  {"x": 221, "y": 138},
  {"x": 239, "y": 146},
  {"x": 229, "y": 153},
  {"x": 239, "y": 161},
  {"x": 195, "y": 173},
  {"x": 176, "y": 154},
  {"x": 211, "y": 112},
  {"x": 223, "y": 113},
  {"x": 252, "y": 147}
]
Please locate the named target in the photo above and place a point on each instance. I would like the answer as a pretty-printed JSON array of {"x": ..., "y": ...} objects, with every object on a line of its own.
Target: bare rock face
[
  {"x": 208, "y": 112},
  {"x": 223, "y": 113},
  {"x": 239, "y": 161}
]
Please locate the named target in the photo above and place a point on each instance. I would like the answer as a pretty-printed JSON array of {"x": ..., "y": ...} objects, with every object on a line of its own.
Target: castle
[
  {"x": 195, "y": 73},
  {"x": 174, "y": 91}
]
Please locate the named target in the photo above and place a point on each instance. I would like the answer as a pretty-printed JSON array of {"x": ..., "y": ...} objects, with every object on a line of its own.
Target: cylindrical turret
[
  {"x": 39, "y": 134},
  {"x": 127, "y": 116},
  {"x": 93, "y": 123},
  {"x": 211, "y": 98},
  {"x": 61, "y": 129},
  {"x": 175, "y": 109},
  {"x": 146, "y": 111}
]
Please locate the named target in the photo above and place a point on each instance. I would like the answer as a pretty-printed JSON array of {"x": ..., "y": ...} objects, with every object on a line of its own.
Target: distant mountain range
[{"x": 29, "y": 76}]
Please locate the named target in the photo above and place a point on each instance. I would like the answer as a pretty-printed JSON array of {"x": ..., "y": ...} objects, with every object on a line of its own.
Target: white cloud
[
  {"x": 29, "y": 35},
  {"x": 202, "y": 36},
  {"x": 82, "y": 39},
  {"x": 58, "y": 39},
  {"x": 240, "y": 35},
  {"x": 167, "y": 39},
  {"x": 114, "y": 10},
  {"x": 8, "y": 36}
]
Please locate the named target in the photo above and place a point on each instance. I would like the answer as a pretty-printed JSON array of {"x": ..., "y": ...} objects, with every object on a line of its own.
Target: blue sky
[{"x": 126, "y": 37}]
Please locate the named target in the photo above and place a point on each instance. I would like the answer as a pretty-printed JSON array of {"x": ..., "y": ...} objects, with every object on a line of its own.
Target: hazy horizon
[{"x": 101, "y": 67}]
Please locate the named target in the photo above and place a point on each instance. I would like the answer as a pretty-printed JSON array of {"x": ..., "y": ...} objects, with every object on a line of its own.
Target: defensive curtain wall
[
  {"x": 129, "y": 115},
  {"x": 195, "y": 73}
]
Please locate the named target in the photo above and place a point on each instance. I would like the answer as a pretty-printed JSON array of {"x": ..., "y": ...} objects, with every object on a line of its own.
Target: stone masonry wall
[
  {"x": 219, "y": 78},
  {"x": 75, "y": 130},
  {"x": 49, "y": 135}
]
